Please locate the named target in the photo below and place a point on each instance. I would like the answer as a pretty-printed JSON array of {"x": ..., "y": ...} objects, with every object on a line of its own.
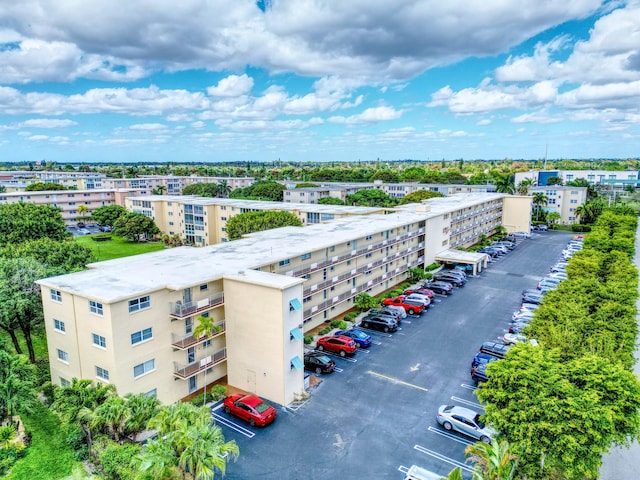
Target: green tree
[
  {"x": 82, "y": 212},
  {"x": 224, "y": 189},
  {"x": 307, "y": 185},
  {"x": 417, "y": 274},
  {"x": 553, "y": 217},
  {"x": 554, "y": 181},
  {"x": 58, "y": 257},
  {"x": 17, "y": 385},
  {"x": 566, "y": 413},
  {"x": 492, "y": 461},
  {"x": 364, "y": 301},
  {"x": 209, "y": 190},
  {"x": 412, "y": 174},
  {"x": 20, "y": 222},
  {"x": 370, "y": 198},
  {"x": 523, "y": 186},
  {"x": 42, "y": 186},
  {"x": 539, "y": 200},
  {"x": 249, "y": 222},
  {"x": 503, "y": 183},
  {"x": 111, "y": 415},
  {"x": 159, "y": 190},
  {"x": 108, "y": 214},
  {"x": 117, "y": 461},
  {"x": 135, "y": 226},
  {"x": 418, "y": 196},
  {"x": 205, "y": 329},
  {"x": 385, "y": 175},
  {"x": 271, "y": 191},
  {"x": 330, "y": 201},
  {"x": 20, "y": 301}
]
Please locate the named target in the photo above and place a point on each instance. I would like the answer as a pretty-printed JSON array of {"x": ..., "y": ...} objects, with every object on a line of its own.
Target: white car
[
  {"x": 466, "y": 421},
  {"x": 521, "y": 234},
  {"x": 513, "y": 338},
  {"x": 416, "y": 297}
]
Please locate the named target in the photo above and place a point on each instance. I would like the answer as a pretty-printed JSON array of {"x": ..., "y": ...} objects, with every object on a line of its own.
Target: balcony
[
  {"x": 187, "y": 371},
  {"x": 186, "y": 341},
  {"x": 188, "y": 309}
]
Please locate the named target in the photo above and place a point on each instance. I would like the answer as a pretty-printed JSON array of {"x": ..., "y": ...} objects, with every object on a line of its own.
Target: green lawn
[
  {"x": 117, "y": 247},
  {"x": 49, "y": 457}
]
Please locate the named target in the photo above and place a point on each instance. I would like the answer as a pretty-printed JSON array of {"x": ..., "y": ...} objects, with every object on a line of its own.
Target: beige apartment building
[
  {"x": 130, "y": 321},
  {"x": 173, "y": 185},
  {"x": 202, "y": 221},
  {"x": 68, "y": 201},
  {"x": 564, "y": 200}
]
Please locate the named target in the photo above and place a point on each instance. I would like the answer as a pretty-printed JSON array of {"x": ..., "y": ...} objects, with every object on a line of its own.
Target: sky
[{"x": 318, "y": 80}]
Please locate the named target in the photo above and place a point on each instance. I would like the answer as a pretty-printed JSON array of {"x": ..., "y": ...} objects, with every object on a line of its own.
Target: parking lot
[{"x": 376, "y": 413}]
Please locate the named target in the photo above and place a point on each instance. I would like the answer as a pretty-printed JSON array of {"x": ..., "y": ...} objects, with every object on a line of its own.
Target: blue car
[
  {"x": 363, "y": 340},
  {"x": 481, "y": 358}
]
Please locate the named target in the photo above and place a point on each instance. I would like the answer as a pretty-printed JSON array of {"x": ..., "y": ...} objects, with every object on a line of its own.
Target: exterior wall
[
  {"x": 68, "y": 201},
  {"x": 563, "y": 200},
  {"x": 516, "y": 213},
  {"x": 438, "y": 230},
  {"x": 468, "y": 224},
  {"x": 259, "y": 344},
  {"x": 621, "y": 177}
]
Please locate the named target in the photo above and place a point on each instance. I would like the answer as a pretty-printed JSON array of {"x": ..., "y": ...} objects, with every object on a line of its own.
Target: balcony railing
[
  {"x": 186, "y": 341},
  {"x": 182, "y": 310},
  {"x": 186, "y": 371}
]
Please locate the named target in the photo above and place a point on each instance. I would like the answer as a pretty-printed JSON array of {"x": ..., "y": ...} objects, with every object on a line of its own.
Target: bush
[
  {"x": 580, "y": 228},
  {"x": 9, "y": 456},
  {"x": 350, "y": 317},
  {"x": 433, "y": 266},
  {"x": 214, "y": 393},
  {"x": 325, "y": 330},
  {"x": 308, "y": 339},
  {"x": 405, "y": 285},
  {"x": 118, "y": 460},
  {"x": 101, "y": 237},
  {"x": 76, "y": 439},
  {"x": 341, "y": 324}
]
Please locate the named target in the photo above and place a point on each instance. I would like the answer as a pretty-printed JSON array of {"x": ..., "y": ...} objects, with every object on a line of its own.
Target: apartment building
[
  {"x": 340, "y": 191},
  {"x": 68, "y": 201},
  {"x": 202, "y": 221},
  {"x": 618, "y": 178},
  {"x": 19, "y": 179},
  {"x": 563, "y": 200},
  {"x": 173, "y": 185},
  {"x": 130, "y": 321}
]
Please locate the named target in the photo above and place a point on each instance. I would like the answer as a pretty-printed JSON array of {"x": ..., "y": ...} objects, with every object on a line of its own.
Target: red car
[
  {"x": 250, "y": 408},
  {"x": 339, "y": 344},
  {"x": 422, "y": 291},
  {"x": 409, "y": 306}
]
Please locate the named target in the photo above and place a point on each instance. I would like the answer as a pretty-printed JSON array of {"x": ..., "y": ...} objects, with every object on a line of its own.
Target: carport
[{"x": 476, "y": 259}]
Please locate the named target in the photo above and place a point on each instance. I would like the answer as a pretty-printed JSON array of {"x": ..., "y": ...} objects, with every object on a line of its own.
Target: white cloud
[
  {"x": 370, "y": 115},
  {"x": 483, "y": 122},
  {"x": 148, "y": 126},
  {"x": 232, "y": 86},
  {"x": 40, "y": 123}
]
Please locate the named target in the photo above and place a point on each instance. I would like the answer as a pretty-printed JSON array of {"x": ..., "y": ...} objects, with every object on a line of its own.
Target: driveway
[{"x": 378, "y": 414}]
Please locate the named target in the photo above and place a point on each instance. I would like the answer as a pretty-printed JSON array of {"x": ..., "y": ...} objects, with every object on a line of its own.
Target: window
[
  {"x": 99, "y": 340},
  {"x": 141, "y": 336},
  {"x": 58, "y": 325},
  {"x": 64, "y": 382},
  {"x": 56, "y": 296},
  {"x": 95, "y": 307},
  {"x": 143, "y": 368},
  {"x": 152, "y": 393},
  {"x": 224, "y": 219},
  {"x": 102, "y": 373},
  {"x": 306, "y": 256},
  {"x": 63, "y": 356},
  {"x": 139, "y": 303},
  {"x": 193, "y": 384},
  {"x": 284, "y": 262},
  {"x": 204, "y": 287}
]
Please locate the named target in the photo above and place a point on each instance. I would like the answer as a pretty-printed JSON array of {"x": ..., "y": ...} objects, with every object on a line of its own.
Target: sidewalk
[{"x": 621, "y": 463}]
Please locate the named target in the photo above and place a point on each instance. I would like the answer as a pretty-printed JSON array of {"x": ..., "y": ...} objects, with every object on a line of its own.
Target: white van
[{"x": 419, "y": 473}]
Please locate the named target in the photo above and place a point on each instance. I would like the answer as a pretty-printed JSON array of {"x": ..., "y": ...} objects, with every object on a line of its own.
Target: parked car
[
  {"x": 518, "y": 327},
  {"x": 318, "y": 362},
  {"x": 439, "y": 287},
  {"x": 529, "y": 306},
  {"x": 465, "y": 267},
  {"x": 458, "y": 273},
  {"x": 495, "y": 348},
  {"x": 504, "y": 243},
  {"x": 343, "y": 346},
  {"x": 84, "y": 231},
  {"x": 80, "y": 224},
  {"x": 513, "y": 338},
  {"x": 548, "y": 281},
  {"x": 104, "y": 228},
  {"x": 541, "y": 228},
  {"x": 482, "y": 357},
  {"x": 559, "y": 275},
  {"x": 362, "y": 339},
  {"x": 521, "y": 234},
  {"x": 411, "y": 307},
  {"x": 250, "y": 408},
  {"x": 385, "y": 324},
  {"x": 465, "y": 421},
  {"x": 385, "y": 312},
  {"x": 422, "y": 291},
  {"x": 418, "y": 298},
  {"x": 449, "y": 278},
  {"x": 532, "y": 298},
  {"x": 479, "y": 373},
  {"x": 399, "y": 311},
  {"x": 418, "y": 473}
]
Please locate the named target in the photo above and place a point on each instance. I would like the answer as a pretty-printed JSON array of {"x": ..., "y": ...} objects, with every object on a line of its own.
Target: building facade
[
  {"x": 618, "y": 178},
  {"x": 130, "y": 321},
  {"x": 563, "y": 200}
]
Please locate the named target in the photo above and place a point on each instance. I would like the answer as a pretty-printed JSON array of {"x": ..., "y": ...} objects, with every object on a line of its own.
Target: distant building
[
  {"x": 616, "y": 178},
  {"x": 563, "y": 200}
]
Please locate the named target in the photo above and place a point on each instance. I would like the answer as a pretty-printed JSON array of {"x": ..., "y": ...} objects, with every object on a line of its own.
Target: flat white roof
[
  {"x": 182, "y": 267},
  {"x": 460, "y": 256}
]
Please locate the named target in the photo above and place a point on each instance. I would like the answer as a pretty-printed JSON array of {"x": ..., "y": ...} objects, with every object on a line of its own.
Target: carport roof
[{"x": 460, "y": 256}]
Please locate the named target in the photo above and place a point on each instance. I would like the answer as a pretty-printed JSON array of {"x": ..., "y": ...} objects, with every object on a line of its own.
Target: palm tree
[
  {"x": 539, "y": 200},
  {"x": 206, "y": 451},
  {"x": 82, "y": 212},
  {"x": 224, "y": 189},
  {"x": 455, "y": 474},
  {"x": 523, "y": 186},
  {"x": 17, "y": 384},
  {"x": 142, "y": 408},
  {"x": 112, "y": 414},
  {"x": 503, "y": 184},
  {"x": 205, "y": 329},
  {"x": 493, "y": 461},
  {"x": 159, "y": 190}
]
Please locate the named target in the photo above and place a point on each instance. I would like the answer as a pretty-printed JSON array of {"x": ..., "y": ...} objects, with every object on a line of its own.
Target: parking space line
[
  {"x": 444, "y": 458},
  {"x": 450, "y": 436},
  {"x": 362, "y": 350},
  {"x": 406, "y": 321},
  {"x": 375, "y": 342},
  {"x": 338, "y": 369},
  {"x": 376, "y": 332},
  {"x": 228, "y": 423},
  {"x": 403, "y": 469},
  {"x": 468, "y": 387},
  {"x": 467, "y": 402},
  {"x": 395, "y": 380},
  {"x": 348, "y": 359}
]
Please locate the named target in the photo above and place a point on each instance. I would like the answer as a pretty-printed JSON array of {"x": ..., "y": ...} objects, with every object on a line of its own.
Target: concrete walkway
[{"x": 622, "y": 463}]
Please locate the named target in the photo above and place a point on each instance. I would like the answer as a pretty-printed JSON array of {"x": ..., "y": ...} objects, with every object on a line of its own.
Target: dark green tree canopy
[
  {"x": 108, "y": 214},
  {"x": 418, "y": 196},
  {"x": 135, "y": 226},
  {"x": 20, "y": 222},
  {"x": 306, "y": 185},
  {"x": 58, "y": 257},
  {"x": 17, "y": 384},
  {"x": 330, "y": 201},
  {"x": 249, "y": 222},
  {"x": 202, "y": 190},
  {"x": 42, "y": 186},
  {"x": 370, "y": 198},
  {"x": 263, "y": 190},
  {"x": 554, "y": 181}
]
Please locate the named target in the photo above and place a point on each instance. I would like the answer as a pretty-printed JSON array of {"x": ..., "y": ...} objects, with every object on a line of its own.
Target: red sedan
[
  {"x": 338, "y": 344},
  {"x": 250, "y": 408}
]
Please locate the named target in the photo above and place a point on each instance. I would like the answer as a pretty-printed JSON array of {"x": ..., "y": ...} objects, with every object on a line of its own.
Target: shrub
[
  {"x": 325, "y": 330},
  {"x": 350, "y": 317},
  {"x": 580, "y": 228},
  {"x": 101, "y": 237},
  {"x": 9, "y": 456},
  {"x": 77, "y": 441},
  {"x": 308, "y": 339},
  {"x": 118, "y": 460},
  {"x": 214, "y": 393},
  {"x": 433, "y": 266}
]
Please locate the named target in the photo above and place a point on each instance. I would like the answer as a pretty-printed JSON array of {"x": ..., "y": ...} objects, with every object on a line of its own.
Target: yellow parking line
[{"x": 395, "y": 380}]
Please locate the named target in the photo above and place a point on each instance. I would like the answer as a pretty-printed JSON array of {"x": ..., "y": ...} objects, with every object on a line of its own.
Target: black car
[
  {"x": 495, "y": 348},
  {"x": 440, "y": 287},
  {"x": 479, "y": 373},
  {"x": 452, "y": 279},
  {"x": 481, "y": 357},
  {"x": 386, "y": 324},
  {"x": 318, "y": 362}
]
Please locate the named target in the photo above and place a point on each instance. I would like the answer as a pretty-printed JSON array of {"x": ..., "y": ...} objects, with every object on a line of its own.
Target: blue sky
[{"x": 313, "y": 80}]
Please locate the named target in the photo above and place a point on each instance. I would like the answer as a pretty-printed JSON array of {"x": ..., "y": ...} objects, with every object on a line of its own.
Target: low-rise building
[
  {"x": 563, "y": 200},
  {"x": 618, "y": 178}
]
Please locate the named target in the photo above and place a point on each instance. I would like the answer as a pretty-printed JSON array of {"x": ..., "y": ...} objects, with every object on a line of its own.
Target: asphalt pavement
[{"x": 377, "y": 415}]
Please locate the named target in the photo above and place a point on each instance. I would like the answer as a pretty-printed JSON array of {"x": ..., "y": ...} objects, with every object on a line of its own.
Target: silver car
[{"x": 466, "y": 421}]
